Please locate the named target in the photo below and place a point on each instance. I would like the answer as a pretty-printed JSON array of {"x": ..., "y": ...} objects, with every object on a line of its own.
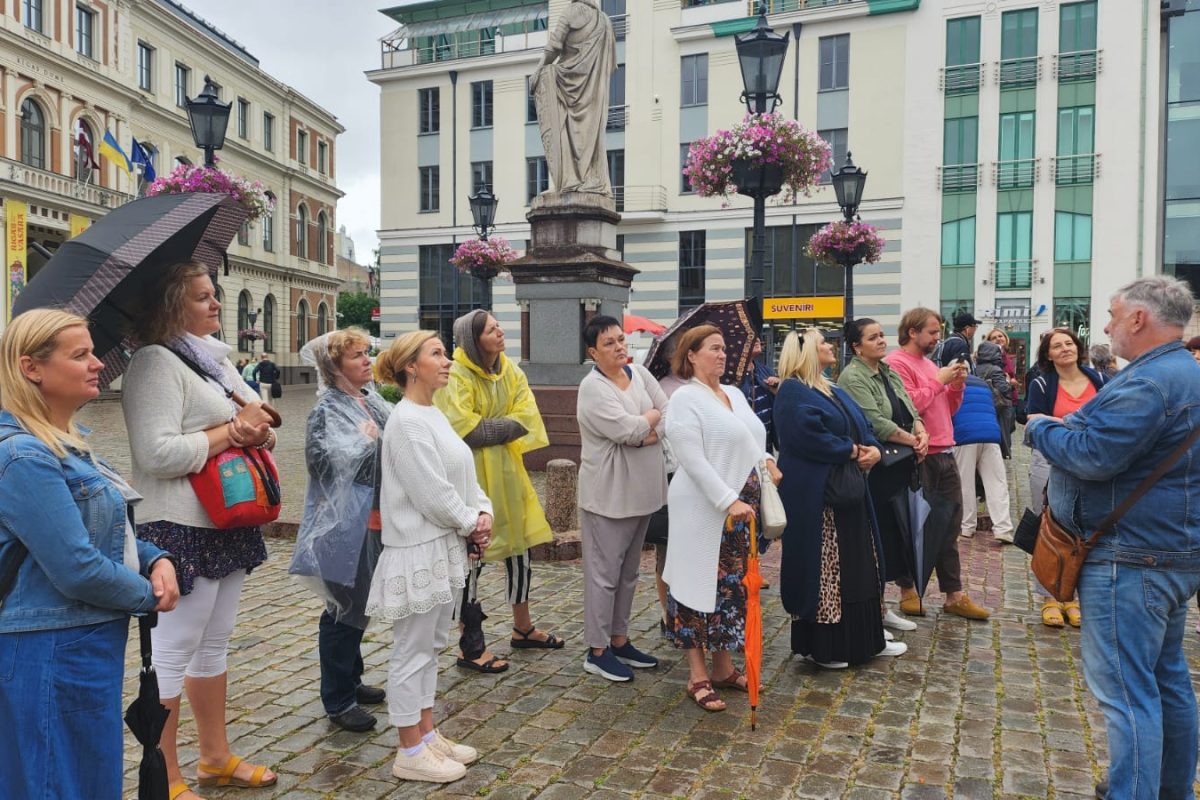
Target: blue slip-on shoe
[
  {"x": 607, "y": 665},
  {"x": 630, "y": 656}
]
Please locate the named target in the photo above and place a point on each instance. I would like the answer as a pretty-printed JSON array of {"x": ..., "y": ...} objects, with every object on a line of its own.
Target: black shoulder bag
[
  {"x": 846, "y": 484},
  {"x": 892, "y": 453}
]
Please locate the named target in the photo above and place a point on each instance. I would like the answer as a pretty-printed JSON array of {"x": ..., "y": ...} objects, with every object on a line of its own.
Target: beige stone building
[{"x": 71, "y": 68}]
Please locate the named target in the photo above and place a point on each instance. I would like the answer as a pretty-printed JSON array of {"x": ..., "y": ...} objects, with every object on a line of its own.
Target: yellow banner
[
  {"x": 79, "y": 224},
  {"x": 14, "y": 252},
  {"x": 804, "y": 308}
]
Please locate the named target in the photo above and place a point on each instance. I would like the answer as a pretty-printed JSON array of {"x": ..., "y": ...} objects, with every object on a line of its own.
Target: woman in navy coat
[{"x": 831, "y": 580}]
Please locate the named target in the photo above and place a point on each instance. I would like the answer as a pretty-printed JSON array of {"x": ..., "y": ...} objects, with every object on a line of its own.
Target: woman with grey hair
[{"x": 1102, "y": 360}]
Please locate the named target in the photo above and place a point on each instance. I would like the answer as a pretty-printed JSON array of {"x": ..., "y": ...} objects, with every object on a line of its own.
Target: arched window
[
  {"x": 268, "y": 323},
  {"x": 243, "y": 342},
  {"x": 302, "y": 232},
  {"x": 322, "y": 238},
  {"x": 33, "y": 134},
  {"x": 322, "y": 319},
  {"x": 81, "y": 166},
  {"x": 301, "y": 324},
  {"x": 220, "y": 334}
]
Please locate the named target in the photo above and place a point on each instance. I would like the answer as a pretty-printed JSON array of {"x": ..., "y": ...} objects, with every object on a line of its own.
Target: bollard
[{"x": 562, "y": 487}]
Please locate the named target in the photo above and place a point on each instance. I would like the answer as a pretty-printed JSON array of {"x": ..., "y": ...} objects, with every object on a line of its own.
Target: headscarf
[{"x": 467, "y": 330}]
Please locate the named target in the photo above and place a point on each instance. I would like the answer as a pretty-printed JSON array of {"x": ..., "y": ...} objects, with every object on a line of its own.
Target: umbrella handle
[
  {"x": 145, "y": 623},
  {"x": 276, "y": 420}
]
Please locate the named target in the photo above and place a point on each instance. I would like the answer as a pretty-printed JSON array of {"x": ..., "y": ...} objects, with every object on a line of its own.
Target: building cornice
[{"x": 475, "y": 63}]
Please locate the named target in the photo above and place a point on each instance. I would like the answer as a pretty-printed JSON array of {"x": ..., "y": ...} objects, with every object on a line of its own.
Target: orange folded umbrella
[
  {"x": 753, "y": 582},
  {"x": 636, "y": 324}
]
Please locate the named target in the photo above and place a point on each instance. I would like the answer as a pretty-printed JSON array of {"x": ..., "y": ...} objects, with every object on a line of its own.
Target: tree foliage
[{"x": 355, "y": 309}]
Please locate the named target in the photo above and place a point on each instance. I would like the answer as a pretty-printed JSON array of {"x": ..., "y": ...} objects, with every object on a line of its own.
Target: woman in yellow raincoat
[{"x": 490, "y": 405}]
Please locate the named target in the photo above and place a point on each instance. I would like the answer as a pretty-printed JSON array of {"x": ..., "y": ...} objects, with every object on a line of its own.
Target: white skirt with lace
[{"x": 417, "y": 579}]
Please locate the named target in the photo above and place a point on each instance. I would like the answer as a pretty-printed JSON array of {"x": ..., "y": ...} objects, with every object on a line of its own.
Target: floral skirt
[
  {"x": 417, "y": 579},
  {"x": 725, "y": 627},
  {"x": 205, "y": 552}
]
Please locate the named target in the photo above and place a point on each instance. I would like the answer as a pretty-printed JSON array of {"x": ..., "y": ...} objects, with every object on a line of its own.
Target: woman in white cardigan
[
  {"x": 718, "y": 441},
  {"x": 431, "y": 504}
]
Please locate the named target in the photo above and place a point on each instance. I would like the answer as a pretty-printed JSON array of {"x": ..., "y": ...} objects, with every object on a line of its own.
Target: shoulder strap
[
  {"x": 1143, "y": 487},
  {"x": 196, "y": 368},
  {"x": 851, "y": 422}
]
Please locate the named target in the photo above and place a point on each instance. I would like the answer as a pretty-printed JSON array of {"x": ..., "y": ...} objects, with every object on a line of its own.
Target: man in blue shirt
[{"x": 1135, "y": 586}]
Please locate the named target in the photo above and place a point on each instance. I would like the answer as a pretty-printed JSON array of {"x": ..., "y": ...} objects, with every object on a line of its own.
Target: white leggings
[
  {"x": 412, "y": 675},
  {"x": 194, "y": 638}
]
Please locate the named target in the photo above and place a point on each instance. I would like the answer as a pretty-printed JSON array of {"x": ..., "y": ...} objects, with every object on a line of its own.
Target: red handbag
[{"x": 239, "y": 487}]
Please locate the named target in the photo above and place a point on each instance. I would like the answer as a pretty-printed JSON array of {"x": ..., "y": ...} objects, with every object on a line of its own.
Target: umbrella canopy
[
  {"x": 636, "y": 324},
  {"x": 146, "y": 717},
  {"x": 105, "y": 272},
  {"x": 737, "y": 324},
  {"x": 753, "y": 582},
  {"x": 471, "y": 615}
]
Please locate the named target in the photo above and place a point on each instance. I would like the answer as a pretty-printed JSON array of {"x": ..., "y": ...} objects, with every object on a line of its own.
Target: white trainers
[
  {"x": 463, "y": 754},
  {"x": 893, "y": 649},
  {"x": 898, "y": 623},
  {"x": 887, "y": 635},
  {"x": 427, "y": 765}
]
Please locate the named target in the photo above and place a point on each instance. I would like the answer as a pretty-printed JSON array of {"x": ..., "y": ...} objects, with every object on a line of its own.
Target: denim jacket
[
  {"x": 72, "y": 520},
  {"x": 1102, "y": 452}
]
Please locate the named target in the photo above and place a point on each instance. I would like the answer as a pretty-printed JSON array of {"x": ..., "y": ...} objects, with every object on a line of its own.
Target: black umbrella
[
  {"x": 107, "y": 272},
  {"x": 738, "y": 325},
  {"x": 924, "y": 525},
  {"x": 471, "y": 615},
  {"x": 146, "y": 717}
]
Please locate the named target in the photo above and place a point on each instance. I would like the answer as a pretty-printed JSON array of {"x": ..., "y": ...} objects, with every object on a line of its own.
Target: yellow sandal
[
  {"x": 223, "y": 776},
  {"x": 1052, "y": 614},
  {"x": 1073, "y": 614},
  {"x": 177, "y": 789}
]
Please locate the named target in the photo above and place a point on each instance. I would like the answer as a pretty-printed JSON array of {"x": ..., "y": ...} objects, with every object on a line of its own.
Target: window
[
  {"x": 268, "y": 231},
  {"x": 1016, "y": 167},
  {"x": 302, "y": 232},
  {"x": 530, "y": 100},
  {"x": 33, "y": 134},
  {"x": 301, "y": 324},
  {"x": 1014, "y": 249},
  {"x": 1072, "y": 236},
  {"x": 182, "y": 79},
  {"x": 838, "y": 139},
  {"x": 302, "y": 146},
  {"x": 322, "y": 319},
  {"x": 616, "y": 12},
  {"x": 834, "y": 63},
  {"x": 616, "y": 177},
  {"x": 537, "y": 178},
  {"x": 1018, "y": 34},
  {"x": 268, "y": 132},
  {"x": 243, "y": 235},
  {"x": 691, "y": 269},
  {"x": 693, "y": 80},
  {"x": 1076, "y": 130},
  {"x": 268, "y": 323},
  {"x": 429, "y": 110},
  {"x": 787, "y": 270},
  {"x": 481, "y": 104},
  {"x": 243, "y": 321},
  {"x": 322, "y": 157},
  {"x": 616, "y": 99},
  {"x": 958, "y": 242},
  {"x": 481, "y": 176},
  {"x": 31, "y": 14},
  {"x": 85, "y": 21},
  {"x": 430, "y": 180},
  {"x": 685, "y": 183},
  {"x": 220, "y": 334},
  {"x": 322, "y": 238},
  {"x": 145, "y": 67},
  {"x": 487, "y": 40},
  {"x": 444, "y": 293},
  {"x": 960, "y": 144},
  {"x": 243, "y": 118},
  {"x": 81, "y": 164},
  {"x": 962, "y": 41},
  {"x": 1073, "y": 313},
  {"x": 1077, "y": 27}
]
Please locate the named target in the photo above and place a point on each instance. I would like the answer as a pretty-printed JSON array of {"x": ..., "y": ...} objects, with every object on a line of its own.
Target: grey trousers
[{"x": 612, "y": 552}]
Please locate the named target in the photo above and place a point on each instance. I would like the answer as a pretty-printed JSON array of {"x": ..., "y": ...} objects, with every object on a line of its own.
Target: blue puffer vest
[{"x": 975, "y": 421}]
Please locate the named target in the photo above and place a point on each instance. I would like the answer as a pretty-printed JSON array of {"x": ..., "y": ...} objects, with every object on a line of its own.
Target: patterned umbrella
[
  {"x": 107, "y": 272},
  {"x": 738, "y": 326}
]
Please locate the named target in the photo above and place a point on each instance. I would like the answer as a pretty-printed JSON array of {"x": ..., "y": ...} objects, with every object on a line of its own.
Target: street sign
[
  {"x": 375, "y": 314},
  {"x": 804, "y": 307}
]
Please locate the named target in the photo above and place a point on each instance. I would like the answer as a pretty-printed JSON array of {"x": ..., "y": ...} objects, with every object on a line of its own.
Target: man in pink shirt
[{"x": 936, "y": 394}]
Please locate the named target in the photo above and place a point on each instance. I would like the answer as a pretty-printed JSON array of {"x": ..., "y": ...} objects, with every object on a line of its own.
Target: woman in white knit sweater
[
  {"x": 718, "y": 441},
  {"x": 431, "y": 504}
]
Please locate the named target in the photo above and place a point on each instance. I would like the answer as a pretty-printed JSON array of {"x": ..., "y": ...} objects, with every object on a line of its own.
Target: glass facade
[
  {"x": 445, "y": 294},
  {"x": 1181, "y": 196}
]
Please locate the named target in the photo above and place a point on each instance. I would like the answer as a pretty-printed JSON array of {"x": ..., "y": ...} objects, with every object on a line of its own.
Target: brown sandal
[
  {"x": 702, "y": 694},
  {"x": 733, "y": 681}
]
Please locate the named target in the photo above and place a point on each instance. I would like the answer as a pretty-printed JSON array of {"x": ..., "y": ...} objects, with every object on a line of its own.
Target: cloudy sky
[{"x": 322, "y": 50}]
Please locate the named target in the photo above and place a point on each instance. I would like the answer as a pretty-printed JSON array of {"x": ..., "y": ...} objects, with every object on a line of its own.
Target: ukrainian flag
[{"x": 113, "y": 152}]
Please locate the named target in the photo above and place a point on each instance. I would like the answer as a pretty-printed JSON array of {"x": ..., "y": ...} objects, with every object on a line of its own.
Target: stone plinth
[{"x": 562, "y": 495}]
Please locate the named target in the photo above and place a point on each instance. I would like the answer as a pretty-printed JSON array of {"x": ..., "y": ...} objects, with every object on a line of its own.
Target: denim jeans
[
  {"x": 60, "y": 699},
  {"x": 1134, "y": 621},
  {"x": 341, "y": 663}
]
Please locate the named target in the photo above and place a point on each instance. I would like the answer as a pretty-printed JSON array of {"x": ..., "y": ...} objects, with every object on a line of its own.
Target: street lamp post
[
  {"x": 483, "y": 212},
  {"x": 252, "y": 317},
  {"x": 760, "y": 53},
  {"x": 209, "y": 118},
  {"x": 848, "y": 183}
]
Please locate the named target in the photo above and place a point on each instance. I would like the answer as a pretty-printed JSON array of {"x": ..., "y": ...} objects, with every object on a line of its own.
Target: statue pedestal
[{"x": 571, "y": 273}]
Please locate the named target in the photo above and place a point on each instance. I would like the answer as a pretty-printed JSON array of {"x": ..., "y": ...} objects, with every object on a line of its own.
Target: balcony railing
[
  {"x": 959, "y": 177},
  {"x": 1068, "y": 170},
  {"x": 62, "y": 185},
  {"x": 1014, "y": 73},
  {"x": 617, "y": 117},
  {"x": 1081, "y": 66},
  {"x": 960, "y": 79},
  {"x": 1013, "y": 274},
  {"x": 620, "y": 24},
  {"x": 1018, "y": 174},
  {"x": 399, "y": 51},
  {"x": 641, "y": 198},
  {"x": 780, "y": 6}
]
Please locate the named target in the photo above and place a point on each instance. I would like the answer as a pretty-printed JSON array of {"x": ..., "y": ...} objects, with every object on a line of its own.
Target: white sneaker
[
  {"x": 427, "y": 765},
  {"x": 462, "y": 753},
  {"x": 898, "y": 623},
  {"x": 1006, "y": 538},
  {"x": 967, "y": 534},
  {"x": 893, "y": 649},
  {"x": 826, "y": 664},
  {"x": 887, "y": 635}
]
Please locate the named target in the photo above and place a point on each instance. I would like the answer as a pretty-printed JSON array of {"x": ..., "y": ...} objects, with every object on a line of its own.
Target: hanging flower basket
[
  {"x": 761, "y": 151},
  {"x": 484, "y": 258},
  {"x": 251, "y": 333},
  {"x": 846, "y": 243},
  {"x": 251, "y": 195}
]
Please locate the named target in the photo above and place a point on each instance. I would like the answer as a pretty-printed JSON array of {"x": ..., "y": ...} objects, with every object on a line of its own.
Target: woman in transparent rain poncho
[{"x": 339, "y": 543}]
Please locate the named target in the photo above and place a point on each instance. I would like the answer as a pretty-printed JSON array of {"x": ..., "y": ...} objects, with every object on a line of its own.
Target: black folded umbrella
[
  {"x": 924, "y": 525},
  {"x": 1025, "y": 536},
  {"x": 146, "y": 717}
]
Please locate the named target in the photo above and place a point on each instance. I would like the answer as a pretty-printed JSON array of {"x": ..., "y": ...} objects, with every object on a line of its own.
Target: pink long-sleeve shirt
[{"x": 934, "y": 401}]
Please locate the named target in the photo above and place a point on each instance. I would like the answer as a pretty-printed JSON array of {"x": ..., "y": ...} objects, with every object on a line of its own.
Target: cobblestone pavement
[{"x": 973, "y": 710}]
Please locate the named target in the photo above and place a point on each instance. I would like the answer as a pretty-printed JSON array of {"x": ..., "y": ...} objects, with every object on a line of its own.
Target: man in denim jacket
[{"x": 1136, "y": 584}]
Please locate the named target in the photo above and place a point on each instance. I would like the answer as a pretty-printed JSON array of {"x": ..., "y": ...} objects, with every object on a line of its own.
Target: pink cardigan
[{"x": 934, "y": 401}]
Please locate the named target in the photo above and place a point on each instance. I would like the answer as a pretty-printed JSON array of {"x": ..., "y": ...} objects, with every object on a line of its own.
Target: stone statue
[{"x": 571, "y": 93}]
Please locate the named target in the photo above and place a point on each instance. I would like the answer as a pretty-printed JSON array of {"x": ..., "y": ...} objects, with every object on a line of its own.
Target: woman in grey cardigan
[{"x": 622, "y": 481}]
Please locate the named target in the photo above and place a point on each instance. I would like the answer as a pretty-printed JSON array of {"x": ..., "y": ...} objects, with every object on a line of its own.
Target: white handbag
[{"x": 771, "y": 513}]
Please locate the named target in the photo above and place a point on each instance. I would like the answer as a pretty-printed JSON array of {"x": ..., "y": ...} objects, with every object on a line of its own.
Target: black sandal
[
  {"x": 488, "y": 667},
  {"x": 551, "y": 642}
]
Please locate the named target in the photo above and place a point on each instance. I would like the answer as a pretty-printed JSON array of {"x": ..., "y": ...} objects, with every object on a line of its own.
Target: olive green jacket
[{"x": 866, "y": 387}]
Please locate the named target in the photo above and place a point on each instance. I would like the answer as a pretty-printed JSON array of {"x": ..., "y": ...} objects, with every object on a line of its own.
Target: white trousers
[
  {"x": 987, "y": 460},
  {"x": 264, "y": 391},
  {"x": 193, "y": 640},
  {"x": 412, "y": 673}
]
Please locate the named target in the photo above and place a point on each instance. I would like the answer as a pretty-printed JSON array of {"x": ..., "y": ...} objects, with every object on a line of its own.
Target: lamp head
[{"x": 848, "y": 183}]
